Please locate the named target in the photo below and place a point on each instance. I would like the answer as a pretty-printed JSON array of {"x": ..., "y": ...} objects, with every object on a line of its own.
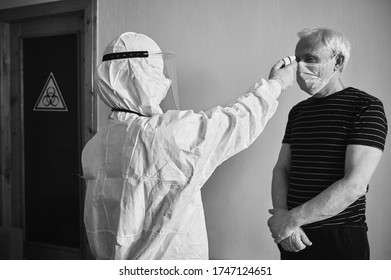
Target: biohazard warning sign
[{"x": 51, "y": 98}]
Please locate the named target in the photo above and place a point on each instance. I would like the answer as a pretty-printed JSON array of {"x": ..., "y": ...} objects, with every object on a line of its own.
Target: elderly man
[{"x": 332, "y": 145}]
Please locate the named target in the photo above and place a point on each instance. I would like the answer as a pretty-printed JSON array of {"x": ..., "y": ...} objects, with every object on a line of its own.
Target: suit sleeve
[{"x": 206, "y": 139}]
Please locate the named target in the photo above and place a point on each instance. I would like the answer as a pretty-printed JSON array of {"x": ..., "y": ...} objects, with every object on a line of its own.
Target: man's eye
[{"x": 310, "y": 60}]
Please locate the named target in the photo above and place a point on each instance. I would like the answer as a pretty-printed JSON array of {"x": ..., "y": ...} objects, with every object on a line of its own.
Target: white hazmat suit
[{"x": 144, "y": 173}]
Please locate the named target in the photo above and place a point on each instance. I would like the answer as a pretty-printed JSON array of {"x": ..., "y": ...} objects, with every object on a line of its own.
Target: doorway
[{"x": 51, "y": 115}]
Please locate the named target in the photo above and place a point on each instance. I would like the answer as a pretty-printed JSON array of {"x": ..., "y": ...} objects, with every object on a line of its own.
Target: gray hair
[{"x": 334, "y": 41}]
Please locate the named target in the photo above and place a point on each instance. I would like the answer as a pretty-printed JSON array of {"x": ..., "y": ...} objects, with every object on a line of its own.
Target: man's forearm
[
  {"x": 328, "y": 203},
  {"x": 280, "y": 189}
]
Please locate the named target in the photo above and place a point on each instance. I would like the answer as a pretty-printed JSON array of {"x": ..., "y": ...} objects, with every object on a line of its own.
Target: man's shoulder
[
  {"x": 300, "y": 104},
  {"x": 347, "y": 95},
  {"x": 360, "y": 95}
]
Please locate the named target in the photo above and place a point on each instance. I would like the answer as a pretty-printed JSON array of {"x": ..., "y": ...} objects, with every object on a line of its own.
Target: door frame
[{"x": 89, "y": 104}]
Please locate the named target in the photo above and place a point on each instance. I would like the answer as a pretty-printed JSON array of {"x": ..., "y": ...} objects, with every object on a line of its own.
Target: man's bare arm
[{"x": 360, "y": 164}]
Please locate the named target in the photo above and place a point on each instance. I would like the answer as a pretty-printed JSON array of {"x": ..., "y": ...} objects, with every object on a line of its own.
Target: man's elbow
[
  {"x": 361, "y": 190},
  {"x": 358, "y": 188}
]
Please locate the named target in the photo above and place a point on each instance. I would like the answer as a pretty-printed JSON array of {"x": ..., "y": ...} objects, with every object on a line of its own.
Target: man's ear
[{"x": 339, "y": 60}]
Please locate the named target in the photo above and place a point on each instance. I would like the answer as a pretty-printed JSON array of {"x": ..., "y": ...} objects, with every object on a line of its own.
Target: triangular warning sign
[{"x": 51, "y": 98}]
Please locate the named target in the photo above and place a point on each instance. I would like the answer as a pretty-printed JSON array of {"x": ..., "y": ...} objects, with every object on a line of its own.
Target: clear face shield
[{"x": 171, "y": 101}]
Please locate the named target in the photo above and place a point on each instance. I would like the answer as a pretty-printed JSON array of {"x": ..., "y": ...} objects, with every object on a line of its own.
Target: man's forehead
[{"x": 309, "y": 45}]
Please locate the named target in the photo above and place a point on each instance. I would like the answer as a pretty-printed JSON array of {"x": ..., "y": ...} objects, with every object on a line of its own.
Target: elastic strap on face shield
[
  {"x": 121, "y": 55},
  {"x": 126, "y": 111}
]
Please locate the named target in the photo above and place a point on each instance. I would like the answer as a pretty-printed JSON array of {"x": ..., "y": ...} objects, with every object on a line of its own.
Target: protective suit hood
[{"x": 136, "y": 84}]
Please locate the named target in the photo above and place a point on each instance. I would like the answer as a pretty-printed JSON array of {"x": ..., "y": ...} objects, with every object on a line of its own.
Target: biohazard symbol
[{"x": 51, "y": 98}]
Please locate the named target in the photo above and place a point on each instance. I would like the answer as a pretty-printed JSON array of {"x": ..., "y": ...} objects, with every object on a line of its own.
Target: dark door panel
[{"x": 52, "y": 140}]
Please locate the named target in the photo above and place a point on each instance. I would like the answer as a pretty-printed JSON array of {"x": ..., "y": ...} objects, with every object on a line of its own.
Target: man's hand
[
  {"x": 285, "y": 76},
  {"x": 280, "y": 224},
  {"x": 296, "y": 242}
]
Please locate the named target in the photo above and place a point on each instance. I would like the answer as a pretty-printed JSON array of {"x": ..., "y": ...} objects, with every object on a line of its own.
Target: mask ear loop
[{"x": 335, "y": 71}]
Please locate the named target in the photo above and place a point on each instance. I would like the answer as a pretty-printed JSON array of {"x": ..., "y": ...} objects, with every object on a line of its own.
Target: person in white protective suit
[{"x": 145, "y": 169}]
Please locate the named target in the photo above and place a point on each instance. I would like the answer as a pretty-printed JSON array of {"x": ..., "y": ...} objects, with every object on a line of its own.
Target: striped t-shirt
[{"x": 318, "y": 131}]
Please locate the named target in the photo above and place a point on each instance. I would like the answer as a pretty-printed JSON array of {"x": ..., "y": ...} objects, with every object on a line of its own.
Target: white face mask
[{"x": 310, "y": 78}]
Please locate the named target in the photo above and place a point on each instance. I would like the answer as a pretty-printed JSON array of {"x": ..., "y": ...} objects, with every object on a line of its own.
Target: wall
[{"x": 222, "y": 47}]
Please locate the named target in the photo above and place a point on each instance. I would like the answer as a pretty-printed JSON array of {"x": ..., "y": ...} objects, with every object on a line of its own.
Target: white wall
[{"x": 222, "y": 47}]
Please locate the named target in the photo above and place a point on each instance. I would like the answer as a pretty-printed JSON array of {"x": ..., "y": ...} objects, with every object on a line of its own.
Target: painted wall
[{"x": 222, "y": 47}]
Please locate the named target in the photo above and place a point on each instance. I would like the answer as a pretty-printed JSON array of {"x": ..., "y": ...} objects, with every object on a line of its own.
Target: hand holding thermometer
[{"x": 284, "y": 71}]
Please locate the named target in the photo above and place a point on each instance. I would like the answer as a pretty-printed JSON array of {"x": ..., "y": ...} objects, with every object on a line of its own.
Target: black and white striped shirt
[{"x": 318, "y": 131}]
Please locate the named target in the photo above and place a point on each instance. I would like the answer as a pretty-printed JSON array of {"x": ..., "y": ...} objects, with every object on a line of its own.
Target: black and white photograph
[{"x": 239, "y": 133}]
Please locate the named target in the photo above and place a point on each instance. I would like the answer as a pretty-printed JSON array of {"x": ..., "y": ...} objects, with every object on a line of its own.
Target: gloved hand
[{"x": 284, "y": 74}]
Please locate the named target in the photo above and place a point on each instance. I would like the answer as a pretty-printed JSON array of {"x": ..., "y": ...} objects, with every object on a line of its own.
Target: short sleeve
[{"x": 370, "y": 126}]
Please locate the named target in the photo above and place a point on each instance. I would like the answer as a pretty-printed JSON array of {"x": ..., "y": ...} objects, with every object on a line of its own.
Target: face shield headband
[{"x": 133, "y": 54}]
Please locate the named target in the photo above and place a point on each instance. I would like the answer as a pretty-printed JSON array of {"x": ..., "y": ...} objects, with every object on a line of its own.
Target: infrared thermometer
[{"x": 288, "y": 60}]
